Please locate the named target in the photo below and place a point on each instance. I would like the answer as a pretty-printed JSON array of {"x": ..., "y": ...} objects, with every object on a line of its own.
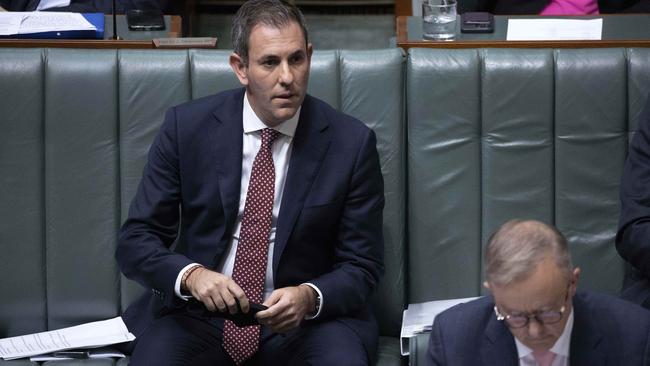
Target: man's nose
[
  {"x": 286, "y": 74},
  {"x": 535, "y": 328}
]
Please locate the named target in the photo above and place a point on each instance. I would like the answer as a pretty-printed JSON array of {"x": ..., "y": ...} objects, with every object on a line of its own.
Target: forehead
[
  {"x": 542, "y": 289},
  {"x": 267, "y": 39}
]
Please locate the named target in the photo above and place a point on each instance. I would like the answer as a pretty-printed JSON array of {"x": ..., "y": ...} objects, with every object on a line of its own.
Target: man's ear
[
  {"x": 486, "y": 284},
  {"x": 310, "y": 51},
  {"x": 239, "y": 67},
  {"x": 575, "y": 277}
]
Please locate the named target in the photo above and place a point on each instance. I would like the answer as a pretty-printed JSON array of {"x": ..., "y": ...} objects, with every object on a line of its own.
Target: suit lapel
[
  {"x": 499, "y": 348},
  {"x": 310, "y": 143},
  {"x": 586, "y": 340},
  {"x": 227, "y": 139}
]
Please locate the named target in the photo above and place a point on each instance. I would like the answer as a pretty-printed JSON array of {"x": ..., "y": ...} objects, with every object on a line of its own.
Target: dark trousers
[{"x": 182, "y": 339}]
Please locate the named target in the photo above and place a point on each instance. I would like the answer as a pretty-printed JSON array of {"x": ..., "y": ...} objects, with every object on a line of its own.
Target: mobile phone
[
  {"x": 145, "y": 20},
  {"x": 240, "y": 319},
  {"x": 72, "y": 354},
  {"x": 477, "y": 22}
]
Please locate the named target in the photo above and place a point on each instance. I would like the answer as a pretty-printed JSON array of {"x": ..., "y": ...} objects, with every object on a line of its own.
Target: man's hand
[
  {"x": 287, "y": 308},
  {"x": 216, "y": 291}
]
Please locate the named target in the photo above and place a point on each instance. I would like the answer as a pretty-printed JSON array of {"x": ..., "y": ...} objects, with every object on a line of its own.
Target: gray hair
[
  {"x": 272, "y": 13},
  {"x": 514, "y": 251}
]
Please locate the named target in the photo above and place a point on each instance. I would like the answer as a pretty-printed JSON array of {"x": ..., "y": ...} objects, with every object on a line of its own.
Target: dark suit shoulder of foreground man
[{"x": 582, "y": 327}]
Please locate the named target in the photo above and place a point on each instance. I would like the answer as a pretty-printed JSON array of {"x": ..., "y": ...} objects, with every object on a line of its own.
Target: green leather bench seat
[
  {"x": 77, "y": 125},
  {"x": 495, "y": 134},
  {"x": 467, "y": 139}
]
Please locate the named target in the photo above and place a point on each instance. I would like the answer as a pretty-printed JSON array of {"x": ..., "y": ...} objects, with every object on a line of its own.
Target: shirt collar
[
  {"x": 561, "y": 346},
  {"x": 253, "y": 123}
]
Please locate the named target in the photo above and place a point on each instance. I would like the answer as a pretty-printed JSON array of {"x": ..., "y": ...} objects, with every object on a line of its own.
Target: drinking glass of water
[{"x": 439, "y": 19}]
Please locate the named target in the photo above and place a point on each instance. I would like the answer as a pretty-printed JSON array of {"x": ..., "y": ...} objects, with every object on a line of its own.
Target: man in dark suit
[
  {"x": 531, "y": 7},
  {"x": 264, "y": 177},
  {"x": 535, "y": 315},
  {"x": 633, "y": 237}
]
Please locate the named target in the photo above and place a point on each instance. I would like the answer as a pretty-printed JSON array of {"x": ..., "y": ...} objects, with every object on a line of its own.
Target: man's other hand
[
  {"x": 287, "y": 308},
  {"x": 216, "y": 291}
]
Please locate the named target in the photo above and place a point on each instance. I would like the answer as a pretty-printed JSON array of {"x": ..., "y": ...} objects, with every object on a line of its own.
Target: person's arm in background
[
  {"x": 641, "y": 6},
  {"x": 633, "y": 237}
]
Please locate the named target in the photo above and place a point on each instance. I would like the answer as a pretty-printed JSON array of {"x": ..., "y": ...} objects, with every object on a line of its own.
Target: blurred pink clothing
[{"x": 571, "y": 7}]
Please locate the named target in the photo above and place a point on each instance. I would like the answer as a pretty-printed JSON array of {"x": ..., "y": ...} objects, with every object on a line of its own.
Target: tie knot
[{"x": 268, "y": 136}]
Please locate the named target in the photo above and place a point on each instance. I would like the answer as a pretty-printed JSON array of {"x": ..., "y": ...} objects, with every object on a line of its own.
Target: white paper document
[
  {"x": 95, "y": 334},
  {"x": 9, "y": 23},
  {"x": 554, "y": 29},
  {"x": 41, "y": 21},
  {"x": 418, "y": 318}
]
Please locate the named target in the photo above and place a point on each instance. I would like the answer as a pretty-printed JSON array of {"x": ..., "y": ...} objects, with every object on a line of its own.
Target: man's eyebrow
[{"x": 264, "y": 58}]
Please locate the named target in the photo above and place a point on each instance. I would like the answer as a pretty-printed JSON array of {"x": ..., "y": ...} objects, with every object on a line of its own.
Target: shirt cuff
[
  {"x": 177, "y": 284},
  {"x": 320, "y": 301}
]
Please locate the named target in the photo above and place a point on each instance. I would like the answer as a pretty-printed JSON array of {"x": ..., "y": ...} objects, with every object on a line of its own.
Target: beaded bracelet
[{"x": 187, "y": 274}]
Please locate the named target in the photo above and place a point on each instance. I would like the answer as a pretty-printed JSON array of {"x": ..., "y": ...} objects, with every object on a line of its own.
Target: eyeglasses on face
[{"x": 542, "y": 317}]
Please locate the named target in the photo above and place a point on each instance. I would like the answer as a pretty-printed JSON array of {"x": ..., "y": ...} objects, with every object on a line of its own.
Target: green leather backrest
[
  {"x": 76, "y": 127},
  {"x": 492, "y": 134},
  {"x": 495, "y": 134}
]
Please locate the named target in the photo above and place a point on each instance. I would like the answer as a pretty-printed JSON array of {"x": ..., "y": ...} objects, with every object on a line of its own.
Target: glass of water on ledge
[{"x": 439, "y": 19}]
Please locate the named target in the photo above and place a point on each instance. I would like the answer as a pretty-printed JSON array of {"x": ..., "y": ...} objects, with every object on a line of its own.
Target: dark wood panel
[{"x": 403, "y": 8}]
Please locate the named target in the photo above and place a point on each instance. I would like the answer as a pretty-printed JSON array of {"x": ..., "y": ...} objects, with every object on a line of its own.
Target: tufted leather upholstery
[
  {"x": 467, "y": 139},
  {"x": 77, "y": 126},
  {"x": 505, "y": 133}
]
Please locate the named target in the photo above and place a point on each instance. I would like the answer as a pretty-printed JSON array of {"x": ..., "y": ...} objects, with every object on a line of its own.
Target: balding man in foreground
[{"x": 536, "y": 315}]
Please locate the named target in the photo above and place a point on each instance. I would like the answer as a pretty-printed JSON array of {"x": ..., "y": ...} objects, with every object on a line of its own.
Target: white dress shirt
[
  {"x": 281, "y": 150},
  {"x": 560, "y": 348},
  {"x": 49, "y": 4}
]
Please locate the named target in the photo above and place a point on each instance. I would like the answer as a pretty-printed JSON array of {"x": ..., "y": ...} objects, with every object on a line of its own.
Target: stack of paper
[
  {"x": 418, "y": 319},
  {"x": 12, "y": 23},
  {"x": 95, "y": 334},
  {"x": 548, "y": 29}
]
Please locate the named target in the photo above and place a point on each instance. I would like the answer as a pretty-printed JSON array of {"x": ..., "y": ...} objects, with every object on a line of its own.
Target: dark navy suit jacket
[
  {"x": 633, "y": 237},
  {"x": 529, "y": 7},
  {"x": 606, "y": 331},
  {"x": 329, "y": 229}
]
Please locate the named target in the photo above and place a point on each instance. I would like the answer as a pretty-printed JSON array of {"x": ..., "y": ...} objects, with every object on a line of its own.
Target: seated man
[
  {"x": 633, "y": 237},
  {"x": 272, "y": 196},
  {"x": 563, "y": 7},
  {"x": 536, "y": 315}
]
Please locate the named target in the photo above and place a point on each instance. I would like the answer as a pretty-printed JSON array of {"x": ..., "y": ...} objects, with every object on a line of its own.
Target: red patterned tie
[{"x": 252, "y": 249}]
